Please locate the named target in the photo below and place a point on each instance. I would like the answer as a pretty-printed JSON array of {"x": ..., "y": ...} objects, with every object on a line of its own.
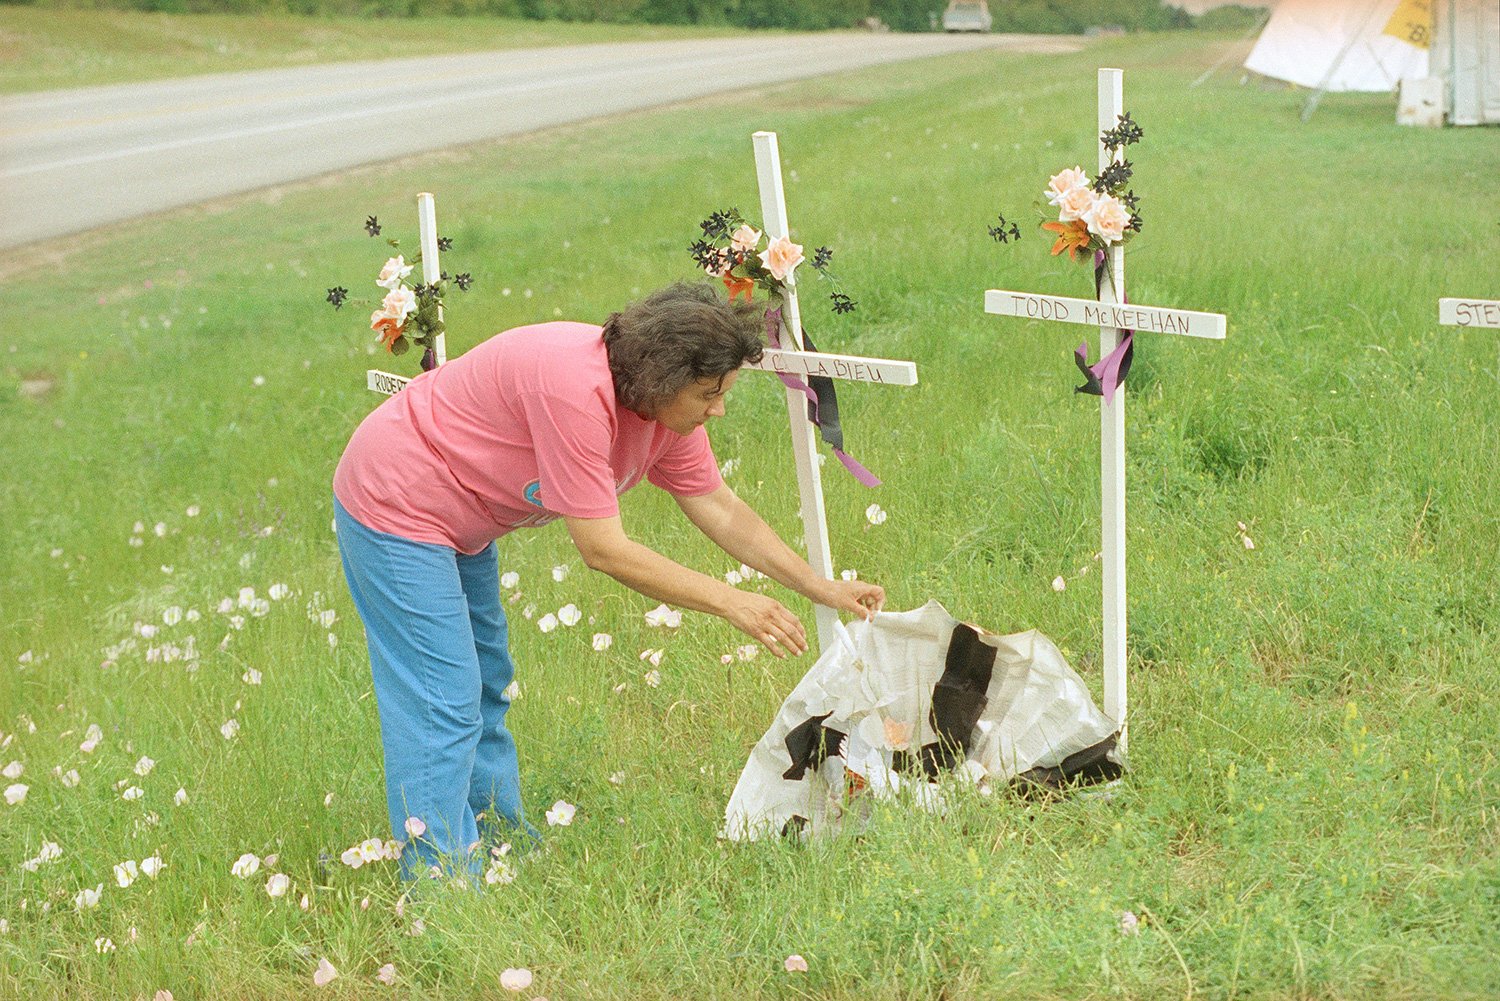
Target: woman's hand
[
  {"x": 768, "y": 622},
  {"x": 858, "y": 597}
]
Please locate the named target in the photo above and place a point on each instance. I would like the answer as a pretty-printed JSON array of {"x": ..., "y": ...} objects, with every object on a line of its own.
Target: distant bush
[{"x": 1235, "y": 17}]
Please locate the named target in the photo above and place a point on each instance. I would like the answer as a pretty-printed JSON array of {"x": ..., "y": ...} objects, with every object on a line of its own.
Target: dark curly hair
[{"x": 676, "y": 336}]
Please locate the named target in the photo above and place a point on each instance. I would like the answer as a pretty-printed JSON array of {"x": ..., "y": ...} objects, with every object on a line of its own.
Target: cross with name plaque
[
  {"x": 1113, "y": 317},
  {"x": 793, "y": 364}
]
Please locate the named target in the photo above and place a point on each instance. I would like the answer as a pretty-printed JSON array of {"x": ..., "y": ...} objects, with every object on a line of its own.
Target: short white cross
[
  {"x": 386, "y": 382},
  {"x": 1112, "y": 317},
  {"x": 797, "y": 362}
]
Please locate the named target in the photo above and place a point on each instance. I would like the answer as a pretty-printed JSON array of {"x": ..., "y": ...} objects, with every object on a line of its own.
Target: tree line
[{"x": 1039, "y": 16}]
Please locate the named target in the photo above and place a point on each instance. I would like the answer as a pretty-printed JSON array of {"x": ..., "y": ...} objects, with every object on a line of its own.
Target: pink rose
[
  {"x": 1107, "y": 219},
  {"x": 1075, "y": 204},
  {"x": 781, "y": 257},
  {"x": 395, "y": 269},
  {"x": 398, "y": 304},
  {"x": 744, "y": 239},
  {"x": 1063, "y": 182}
]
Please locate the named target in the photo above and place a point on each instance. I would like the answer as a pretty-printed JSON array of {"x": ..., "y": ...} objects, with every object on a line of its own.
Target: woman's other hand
[{"x": 768, "y": 622}]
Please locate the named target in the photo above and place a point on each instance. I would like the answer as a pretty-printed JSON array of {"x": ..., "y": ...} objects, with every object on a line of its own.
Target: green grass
[
  {"x": 42, "y": 49},
  {"x": 1312, "y": 809}
]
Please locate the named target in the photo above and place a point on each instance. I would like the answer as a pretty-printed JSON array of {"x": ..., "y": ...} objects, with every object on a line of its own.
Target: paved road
[{"x": 76, "y": 159}]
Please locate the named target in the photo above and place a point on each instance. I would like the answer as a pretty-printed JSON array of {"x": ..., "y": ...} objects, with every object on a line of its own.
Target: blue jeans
[{"x": 437, "y": 638}]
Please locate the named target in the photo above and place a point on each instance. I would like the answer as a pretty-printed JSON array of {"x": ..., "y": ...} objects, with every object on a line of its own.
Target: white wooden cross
[
  {"x": 796, "y": 361},
  {"x": 1112, "y": 317},
  {"x": 386, "y": 382},
  {"x": 1469, "y": 313}
]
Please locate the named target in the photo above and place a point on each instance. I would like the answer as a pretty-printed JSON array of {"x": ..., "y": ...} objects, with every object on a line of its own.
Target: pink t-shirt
[{"x": 516, "y": 432}]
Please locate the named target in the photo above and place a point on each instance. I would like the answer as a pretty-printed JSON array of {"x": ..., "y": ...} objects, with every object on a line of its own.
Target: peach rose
[
  {"x": 395, "y": 269},
  {"x": 1063, "y": 182},
  {"x": 399, "y": 304},
  {"x": 1075, "y": 204},
  {"x": 1107, "y": 219},
  {"x": 744, "y": 239},
  {"x": 781, "y": 257}
]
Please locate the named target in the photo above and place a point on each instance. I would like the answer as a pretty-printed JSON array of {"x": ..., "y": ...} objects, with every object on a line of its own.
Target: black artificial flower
[
  {"x": 1123, "y": 134},
  {"x": 463, "y": 280},
  {"x": 704, "y": 254},
  {"x": 842, "y": 303},
  {"x": 1005, "y": 231},
  {"x": 445, "y": 244},
  {"x": 1131, "y": 201},
  {"x": 337, "y": 295},
  {"x": 1113, "y": 177},
  {"x": 372, "y": 226},
  {"x": 719, "y": 224},
  {"x": 1134, "y": 225},
  {"x": 821, "y": 257}
]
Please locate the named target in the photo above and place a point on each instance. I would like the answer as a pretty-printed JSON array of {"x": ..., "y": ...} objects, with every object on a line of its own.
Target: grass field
[
  {"x": 44, "y": 48},
  {"x": 1312, "y": 808}
]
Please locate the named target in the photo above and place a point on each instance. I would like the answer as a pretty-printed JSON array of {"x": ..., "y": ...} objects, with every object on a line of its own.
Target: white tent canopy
[
  {"x": 1336, "y": 45},
  {"x": 1372, "y": 45}
]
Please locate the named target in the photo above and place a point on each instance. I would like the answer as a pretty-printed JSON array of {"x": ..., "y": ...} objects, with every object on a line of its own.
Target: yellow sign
[{"x": 1412, "y": 23}]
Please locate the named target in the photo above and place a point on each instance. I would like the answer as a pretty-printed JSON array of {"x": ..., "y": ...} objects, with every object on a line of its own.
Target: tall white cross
[
  {"x": 794, "y": 360},
  {"x": 1112, "y": 317},
  {"x": 386, "y": 382}
]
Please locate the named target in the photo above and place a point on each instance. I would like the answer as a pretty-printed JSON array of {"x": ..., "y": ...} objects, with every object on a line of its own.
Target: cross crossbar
[
  {"x": 1092, "y": 313},
  {"x": 1469, "y": 313},
  {"x": 851, "y": 368}
]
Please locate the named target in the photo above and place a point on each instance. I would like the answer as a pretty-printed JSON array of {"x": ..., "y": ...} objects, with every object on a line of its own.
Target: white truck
[{"x": 967, "y": 15}]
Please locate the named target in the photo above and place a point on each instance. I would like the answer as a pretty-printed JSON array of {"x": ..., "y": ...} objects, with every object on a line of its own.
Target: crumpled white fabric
[{"x": 877, "y": 682}]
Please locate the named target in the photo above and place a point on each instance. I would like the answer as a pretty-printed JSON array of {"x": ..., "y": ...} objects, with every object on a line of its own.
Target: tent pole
[
  {"x": 1203, "y": 78},
  {"x": 1312, "y": 102}
]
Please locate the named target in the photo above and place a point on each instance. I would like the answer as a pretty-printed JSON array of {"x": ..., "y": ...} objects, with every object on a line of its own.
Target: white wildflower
[
  {"x": 126, "y": 873},
  {"x": 661, "y": 615}
]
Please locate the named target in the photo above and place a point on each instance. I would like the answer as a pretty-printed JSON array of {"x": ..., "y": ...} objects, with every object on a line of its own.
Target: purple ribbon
[
  {"x": 822, "y": 403},
  {"x": 1108, "y": 373}
]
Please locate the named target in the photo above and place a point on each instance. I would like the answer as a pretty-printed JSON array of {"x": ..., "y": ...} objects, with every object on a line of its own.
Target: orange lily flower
[
  {"x": 387, "y": 329},
  {"x": 738, "y": 285},
  {"x": 1071, "y": 236}
]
